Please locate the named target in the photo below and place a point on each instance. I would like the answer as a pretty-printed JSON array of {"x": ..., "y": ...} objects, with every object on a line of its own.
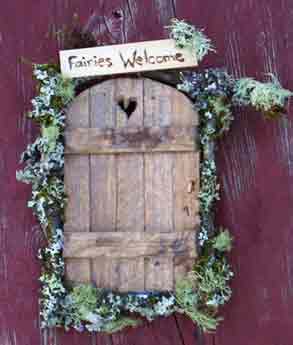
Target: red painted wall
[{"x": 253, "y": 37}]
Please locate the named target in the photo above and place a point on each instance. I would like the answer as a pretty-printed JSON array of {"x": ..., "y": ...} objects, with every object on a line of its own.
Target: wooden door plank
[
  {"x": 186, "y": 182},
  {"x": 130, "y": 188},
  {"x": 77, "y": 116},
  {"x": 183, "y": 265},
  {"x": 102, "y": 107},
  {"x": 130, "y": 140},
  {"x": 186, "y": 189},
  {"x": 128, "y": 91},
  {"x": 129, "y": 244},
  {"x": 158, "y": 273},
  {"x": 166, "y": 107},
  {"x": 103, "y": 178},
  {"x": 129, "y": 273},
  {"x": 157, "y": 103},
  {"x": 76, "y": 176},
  {"x": 120, "y": 274},
  {"x": 125, "y": 208},
  {"x": 158, "y": 181},
  {"x": 159, "y": 192},
  {"x": 103, "y": 193}
]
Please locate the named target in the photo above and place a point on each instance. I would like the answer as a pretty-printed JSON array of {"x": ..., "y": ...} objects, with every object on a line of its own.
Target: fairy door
[{"x": 132, "y": 179}]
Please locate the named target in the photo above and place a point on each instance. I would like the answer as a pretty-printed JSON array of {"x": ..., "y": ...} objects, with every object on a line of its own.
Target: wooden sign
[
  {"x": 125, "y": 58},
  {"x": 132, "y": 180}
]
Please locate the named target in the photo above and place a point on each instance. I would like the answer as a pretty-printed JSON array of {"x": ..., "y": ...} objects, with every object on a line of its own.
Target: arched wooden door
[{"x": 132, "y": 177}]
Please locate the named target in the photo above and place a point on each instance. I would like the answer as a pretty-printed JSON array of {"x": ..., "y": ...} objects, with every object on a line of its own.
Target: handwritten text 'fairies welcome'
[{"x": 126, "y": 58}]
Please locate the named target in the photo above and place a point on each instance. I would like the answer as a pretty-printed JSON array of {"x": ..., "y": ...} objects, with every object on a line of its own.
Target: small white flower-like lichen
[{"x": 187, "y": 36}]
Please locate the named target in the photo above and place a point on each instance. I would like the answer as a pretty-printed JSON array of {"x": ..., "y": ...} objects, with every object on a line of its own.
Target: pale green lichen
[
  {"x": 206, "y": 287},
  {"x": 223, "y": 241},
  {"x": 65, "y": 89},
  {"x": 269, "y": 97},
  {"x": 120, "y": 324},
  {"x": 51, "y": 134},
  {"x": 187, "y": 300},
  {"x": 187, "y": 36},
  {"x": 84, "y": 299}
]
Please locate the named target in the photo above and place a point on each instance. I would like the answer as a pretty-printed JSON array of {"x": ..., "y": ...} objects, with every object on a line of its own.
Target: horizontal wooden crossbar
[
  {"x": 129, "y": 244},
  {"x": 130, "y": 140}
]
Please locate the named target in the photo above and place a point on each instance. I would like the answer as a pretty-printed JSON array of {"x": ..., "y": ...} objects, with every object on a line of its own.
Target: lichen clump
[
  {"x": 187, "y": 36},
  {"x": 269, "y": 97},
  {"x": 206, "y": 287}
]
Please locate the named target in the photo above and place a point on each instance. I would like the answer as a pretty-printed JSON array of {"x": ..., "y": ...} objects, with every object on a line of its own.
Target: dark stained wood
[{"x": 252, "y": 38}]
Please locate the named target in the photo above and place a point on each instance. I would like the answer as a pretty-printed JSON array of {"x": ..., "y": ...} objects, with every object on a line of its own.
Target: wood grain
[
  {"x": 134, "y": 197},
  {"x": 130, "y": 184},
  {"x": 186, "y": 210},
  {"x": 103, "y": 180},
  {"x": 130, "y": 140},
  {"x": 77, "y": 187},
  {"x": 129, "y": 244}
]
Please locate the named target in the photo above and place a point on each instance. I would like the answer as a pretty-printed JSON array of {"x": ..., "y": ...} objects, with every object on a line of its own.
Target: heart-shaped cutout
[{"x": 128, "y": 106}]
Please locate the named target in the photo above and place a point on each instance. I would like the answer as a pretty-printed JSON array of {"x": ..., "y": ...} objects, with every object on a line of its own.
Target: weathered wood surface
[
  {"x": 131, "y": 156},
  {"x": 252, "y": 38},
  {"x": 129, "y": 244},
  {"x": 130, "y": 140}
]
